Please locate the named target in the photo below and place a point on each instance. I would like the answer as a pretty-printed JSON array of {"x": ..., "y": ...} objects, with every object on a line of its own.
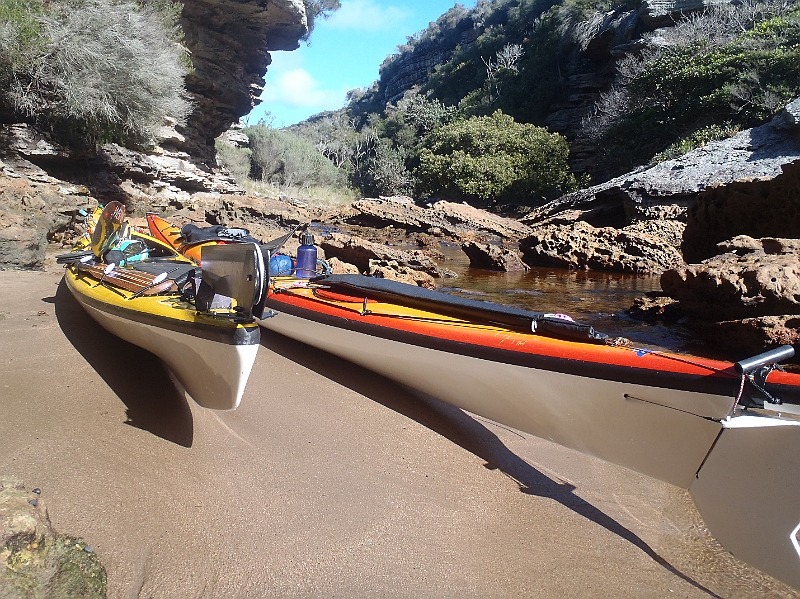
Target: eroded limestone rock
[
  {"x": 758, "y": 278},
  {"x": 33, "y": 212},
  {"x": 585, "y": 247},
  {"x": 493, "y": 257},
  {"x": 391, "y": 270},
  {"x": 440, "y": 219},
  {"x": 360, "y": 252}
]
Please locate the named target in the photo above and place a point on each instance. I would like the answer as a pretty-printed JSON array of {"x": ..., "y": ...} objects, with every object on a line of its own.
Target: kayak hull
[
  {"x": 211, "y": 362},
  {"x": 674, "y": 418},
  {"x": 596, "y": 417}
]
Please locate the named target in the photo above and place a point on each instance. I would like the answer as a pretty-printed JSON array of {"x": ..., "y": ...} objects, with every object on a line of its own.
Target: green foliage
[
  {"x": 91, "y": 71},
  {"x": 285, "y": 159},
  {"x": 316, "y": 9},
  {"x": 384, "y": 173},
  {"x": 735, "y": 64},
  {"x": 495, "y": 159},
  {"x": 696, "y": 140},
  {"x": 236, "y": 160}
]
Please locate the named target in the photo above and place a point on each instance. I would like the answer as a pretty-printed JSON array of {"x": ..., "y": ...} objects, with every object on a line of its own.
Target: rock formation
[
  {"x": 367, "y": 256},
  {"x": 36, "y": 561},
  {"x": 443, "y": 219},
  {"x": 229, "y": 43},
  {"x": 493, "y": 257},
  {"x": 749, "y": 292},
  {"x": 584, "y": 247}
]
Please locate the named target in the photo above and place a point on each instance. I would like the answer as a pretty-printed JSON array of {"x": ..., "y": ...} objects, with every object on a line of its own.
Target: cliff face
[{"x": 229, "y": 44}]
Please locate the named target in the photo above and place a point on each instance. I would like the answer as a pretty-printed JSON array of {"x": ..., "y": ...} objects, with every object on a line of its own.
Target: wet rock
[
  {"x": 585, "y": 247},
  {"x": 360, "y": 252},
  {"x": 391, "y": 270},
  {"x": 493, "y": 257},
  {"x": 36, "y": 561},
  {"x": 656, "y": 306},
  {"x": 758, "y": 278}
]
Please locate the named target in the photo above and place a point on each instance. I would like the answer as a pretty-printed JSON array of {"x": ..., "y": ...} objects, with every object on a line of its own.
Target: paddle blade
[{"x": 107, "y": 229}]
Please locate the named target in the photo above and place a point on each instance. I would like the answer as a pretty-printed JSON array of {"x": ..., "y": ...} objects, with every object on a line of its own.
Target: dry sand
[{"x": 328, "y": 481}]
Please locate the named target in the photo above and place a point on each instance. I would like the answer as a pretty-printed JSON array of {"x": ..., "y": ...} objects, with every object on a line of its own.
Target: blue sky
[{"x": 345, "y": 53}]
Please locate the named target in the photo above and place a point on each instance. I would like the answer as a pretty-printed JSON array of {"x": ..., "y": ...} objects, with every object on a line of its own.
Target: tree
[
  {"x": 316, "y": 9},
  {"x": 495, "y": 159}
]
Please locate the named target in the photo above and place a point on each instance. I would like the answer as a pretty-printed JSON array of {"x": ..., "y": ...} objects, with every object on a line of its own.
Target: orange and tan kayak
[{"x": 696, "y": 423}]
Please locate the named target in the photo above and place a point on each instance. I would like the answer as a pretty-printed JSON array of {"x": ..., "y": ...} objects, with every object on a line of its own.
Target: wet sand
[{"x": 328, "y": 481}]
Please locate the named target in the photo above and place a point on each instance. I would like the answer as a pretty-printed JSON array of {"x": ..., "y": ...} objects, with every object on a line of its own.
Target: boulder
[
  {"x": 22, "y": 247},
  {"x": 585, "y": 247},
  {"x": 656, "y": 307},
  {"x": 32, "y": 212},
  {"x": 493, "y": 257},
  {"x": 391, "y": 270},
  {"x": 753, "y": 335},
  {"x": 464, "y": 218},
  {"x": 440, "y": 219},
  {"x": 342, "y": 268},
  {"x": 757, "y": 278},
  {"x": 758, "y": 207},
  {"x": 360, "y": 252},
  {"x": 36, "y": 561}
]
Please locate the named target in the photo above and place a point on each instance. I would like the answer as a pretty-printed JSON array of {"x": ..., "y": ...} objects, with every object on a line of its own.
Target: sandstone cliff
[{"x": 229, "y": 43}]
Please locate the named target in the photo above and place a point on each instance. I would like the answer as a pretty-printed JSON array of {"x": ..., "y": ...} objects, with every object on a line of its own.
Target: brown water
[{"x": 597, "y": 298}]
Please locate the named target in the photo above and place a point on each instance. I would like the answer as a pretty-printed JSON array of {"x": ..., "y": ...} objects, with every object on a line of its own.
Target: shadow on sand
[
  {"x": 136, "y": 376},
  {"x": 463, "y": 430}
]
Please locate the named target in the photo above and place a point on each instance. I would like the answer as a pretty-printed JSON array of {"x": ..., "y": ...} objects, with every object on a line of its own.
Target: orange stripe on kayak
[{"x": 499, "y": 338}]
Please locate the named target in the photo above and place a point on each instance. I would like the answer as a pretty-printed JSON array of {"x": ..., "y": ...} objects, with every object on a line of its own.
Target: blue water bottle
[{"x": 306, "y": 266}]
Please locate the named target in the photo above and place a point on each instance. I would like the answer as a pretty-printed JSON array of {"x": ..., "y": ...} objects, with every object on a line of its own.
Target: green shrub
[
  {"x": 286, "y": 159},
  {"x": 384, "y": 173},
  {"x": 495, "y": 159},
  {"x": 236, "y": 160},
  {"x": 735, "y": 64},
  {"x": 696, "y": 140},
  {"x": 91, "y": 70}
]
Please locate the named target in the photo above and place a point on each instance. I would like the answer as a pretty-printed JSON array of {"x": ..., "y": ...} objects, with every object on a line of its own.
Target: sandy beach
[{"x": 328, "y": 481}]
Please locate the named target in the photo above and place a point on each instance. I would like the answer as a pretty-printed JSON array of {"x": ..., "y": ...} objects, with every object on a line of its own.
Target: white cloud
[
  {"x": 297, "y": 88},
  {"x": 366, "y": 15},
  {"x": 288, "y": 84}
]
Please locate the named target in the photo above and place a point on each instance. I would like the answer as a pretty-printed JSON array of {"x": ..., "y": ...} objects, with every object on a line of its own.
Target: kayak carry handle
[{"x": 771, "y": 357}]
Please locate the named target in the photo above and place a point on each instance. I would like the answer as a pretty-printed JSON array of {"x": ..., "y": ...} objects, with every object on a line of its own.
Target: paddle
[{"x": 108, "y": 227}]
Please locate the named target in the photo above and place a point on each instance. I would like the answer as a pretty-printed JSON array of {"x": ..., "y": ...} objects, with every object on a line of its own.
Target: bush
[
  {"x": 236, "y": 160},
  {"x": 384, "y": 173},
  {"x": 735, "y": 64},
  {"x": 285, "y": 159},
  {"x": 92, "y": 71},
  {"x": 495, "y": 159}
]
